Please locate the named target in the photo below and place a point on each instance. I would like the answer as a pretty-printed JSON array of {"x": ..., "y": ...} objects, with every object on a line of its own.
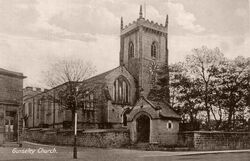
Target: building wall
[
  {"x": 133, "y": 64},
  {"x": 159, "y": 131},
  {"x": 147, "y": 39},
  {"x": 115, "y": 110},
  {"x": 139, "y": 66},
  {"x": 165, "y": 135},
  {"x": 43, "y": 112},
  {"x": 11, "y": 85},
  {"x": 11, "y": 88},
  {"x": 2, "y": 124}
]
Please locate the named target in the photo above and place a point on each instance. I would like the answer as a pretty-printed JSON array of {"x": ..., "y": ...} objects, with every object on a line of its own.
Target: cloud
[
  {"x": 81, "y": 20},
  {"x": 184, "y": 18},
  {"x": 33, "y": 56},
  {"x": 241, "y": 12},
  {"x": 181, "y": 45},
  {"x": 34, "y": 34},
  {"x": 26, "y": 18}
]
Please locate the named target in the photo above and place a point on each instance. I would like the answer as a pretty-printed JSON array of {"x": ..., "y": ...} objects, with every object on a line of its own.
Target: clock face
[{"x": 153, "y": 68}]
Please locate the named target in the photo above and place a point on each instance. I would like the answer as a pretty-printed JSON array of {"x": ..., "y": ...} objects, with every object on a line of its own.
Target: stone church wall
[
  {"x": 209, "y": 140},
  {"x": 96, "y": 138}
]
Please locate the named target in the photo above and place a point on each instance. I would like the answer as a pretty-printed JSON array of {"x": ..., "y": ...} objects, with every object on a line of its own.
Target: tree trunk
[
  {"x": 206, "y": 105},
  {"x": 230, "y": 115}
]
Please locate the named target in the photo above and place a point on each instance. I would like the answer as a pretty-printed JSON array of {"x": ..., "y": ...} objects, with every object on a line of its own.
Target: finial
[
  {"x": 121, "y": 23},
  {"x": 140, "y": 14},
  {"x": 166, "y": 23}
]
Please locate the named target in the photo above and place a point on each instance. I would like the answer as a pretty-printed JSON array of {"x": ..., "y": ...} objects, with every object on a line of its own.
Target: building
[
  {"x": 11, "y": 94},
  {"x": 121, "y": 97}
]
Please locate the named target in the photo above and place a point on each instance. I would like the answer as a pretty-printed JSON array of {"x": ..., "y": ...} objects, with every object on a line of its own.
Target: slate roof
[
  {"x": 166, "y": 109},
  {"x": 99, "y": 77}
]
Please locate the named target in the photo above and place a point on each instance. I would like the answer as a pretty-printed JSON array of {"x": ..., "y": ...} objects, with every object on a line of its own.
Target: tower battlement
[{"x": 145, "y": 23}]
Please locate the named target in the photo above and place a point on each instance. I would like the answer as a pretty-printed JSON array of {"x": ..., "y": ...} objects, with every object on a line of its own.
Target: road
[
  {"x": 40, "y": 153},
  {"x": 206, "y": 157}
]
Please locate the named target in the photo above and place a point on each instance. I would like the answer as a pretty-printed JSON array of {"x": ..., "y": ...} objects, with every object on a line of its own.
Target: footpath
[{"x": 33, "y": 151}]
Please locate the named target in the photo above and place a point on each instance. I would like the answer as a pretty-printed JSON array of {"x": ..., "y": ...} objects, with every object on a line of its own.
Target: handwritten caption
[{"x": 33, "y": 151}]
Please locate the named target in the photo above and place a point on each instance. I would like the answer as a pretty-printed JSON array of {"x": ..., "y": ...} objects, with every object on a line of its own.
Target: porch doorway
[
  {"x": 11, "y": 126},
  {"x": 143, "y": 128}
]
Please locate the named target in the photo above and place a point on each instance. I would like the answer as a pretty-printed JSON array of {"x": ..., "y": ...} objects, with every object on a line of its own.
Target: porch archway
[{"x": 143, "y": 128}]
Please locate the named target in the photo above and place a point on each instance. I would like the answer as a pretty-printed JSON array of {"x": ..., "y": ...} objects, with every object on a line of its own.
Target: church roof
[
  {"x": 99, "y": 77},
  {"x": 166, "y": 110}
]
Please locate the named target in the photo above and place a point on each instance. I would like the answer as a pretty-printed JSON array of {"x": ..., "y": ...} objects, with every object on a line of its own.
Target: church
[{"x": 121, "y": 99}]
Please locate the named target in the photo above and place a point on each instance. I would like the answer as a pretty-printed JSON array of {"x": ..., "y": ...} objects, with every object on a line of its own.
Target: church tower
[{"x": 143, "y": 49}]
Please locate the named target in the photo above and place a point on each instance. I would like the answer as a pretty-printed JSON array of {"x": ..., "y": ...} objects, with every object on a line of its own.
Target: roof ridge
[{"x": 104, "y": 73}]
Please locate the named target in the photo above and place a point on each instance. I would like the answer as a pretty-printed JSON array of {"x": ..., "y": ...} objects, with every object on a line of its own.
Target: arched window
[
  {"x": 130, "y": 50},
  {"x": 169, "y": 125},
  {"x": 121, "y": 90},
  {"x": 154, "y": 49}
]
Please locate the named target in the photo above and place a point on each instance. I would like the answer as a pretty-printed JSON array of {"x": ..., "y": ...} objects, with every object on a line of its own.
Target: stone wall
[
  {"x": 11, "y": 89},
  {"x": 208, "y": 140},
  {"x": 96, "y": 138},
  {"x": 11, "y": 86}
]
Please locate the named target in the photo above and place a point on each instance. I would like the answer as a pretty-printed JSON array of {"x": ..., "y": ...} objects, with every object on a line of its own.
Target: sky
[{"x": 37, "y": 33}]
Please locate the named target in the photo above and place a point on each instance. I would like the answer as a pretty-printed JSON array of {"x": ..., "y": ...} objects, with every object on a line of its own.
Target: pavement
[{"x": 32, "y": 151}]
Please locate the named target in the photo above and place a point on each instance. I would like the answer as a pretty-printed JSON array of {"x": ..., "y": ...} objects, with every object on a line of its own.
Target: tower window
[
  {"x": 131, "y": 50},
  {"x": 153, "y": 49}
]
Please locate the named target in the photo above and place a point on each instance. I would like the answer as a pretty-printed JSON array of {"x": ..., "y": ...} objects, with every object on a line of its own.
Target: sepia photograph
[{"x": 124, "y": 80}]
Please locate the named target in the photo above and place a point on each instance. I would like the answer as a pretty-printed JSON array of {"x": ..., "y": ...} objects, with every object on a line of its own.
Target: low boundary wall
[
  {"x": 210, "y": 140},
  {"x": 95, "y": 138}
]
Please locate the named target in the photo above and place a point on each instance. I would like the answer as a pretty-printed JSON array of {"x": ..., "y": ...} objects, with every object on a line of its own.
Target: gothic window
[
  {"x": 30, "y": 109},
  {"x": 130, "y": 50},
  {"x": 88, "y": 108},
  {"x": 154, "y": 50},
  {"x": 38, "y": 109},
  {"x": 121, "y": 90},
  {"x": 49, "y": 108}
]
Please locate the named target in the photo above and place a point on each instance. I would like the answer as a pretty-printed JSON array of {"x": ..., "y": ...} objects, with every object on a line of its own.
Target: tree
[
  {"x": 202, "y": 64},
  {"x": 234, "y": 78},
  {"x": 71, "y": 75},
  {"x": 185, "y": 95},
  {"x": 160, "y": 82}
]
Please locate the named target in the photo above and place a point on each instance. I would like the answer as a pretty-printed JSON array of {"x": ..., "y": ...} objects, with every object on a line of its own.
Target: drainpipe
[
  {"x": 54, "y": 110},
  {"x": 33, "y": 107}
]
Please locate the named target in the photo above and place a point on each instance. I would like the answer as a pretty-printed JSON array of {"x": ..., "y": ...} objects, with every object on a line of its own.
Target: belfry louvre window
[
  {"x": 130, "y": 50},
  {"x": 121, "y": 90},
  {"x": 154, "y": 49}
]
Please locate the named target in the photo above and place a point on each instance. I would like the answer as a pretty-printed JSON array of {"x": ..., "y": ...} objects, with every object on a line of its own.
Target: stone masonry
[{"x": 11, "y": 85}]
